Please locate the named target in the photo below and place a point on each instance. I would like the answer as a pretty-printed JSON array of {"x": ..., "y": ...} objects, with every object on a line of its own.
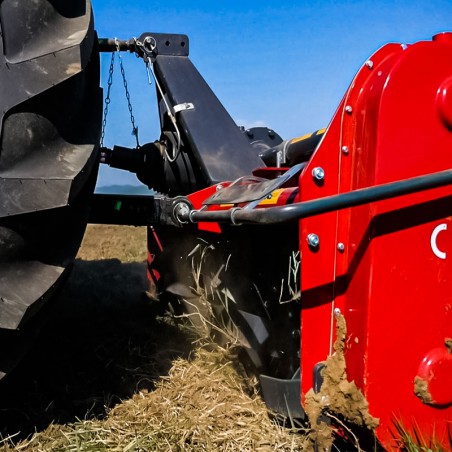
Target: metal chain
[
  {"x": 129, "y": 104},
  {"x": 107, "y": 99}
]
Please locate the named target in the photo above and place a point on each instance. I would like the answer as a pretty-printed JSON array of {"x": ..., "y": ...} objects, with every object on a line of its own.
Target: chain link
[
  {"x": 129, "y": 104},
  {"x": 107, "y": 98}
]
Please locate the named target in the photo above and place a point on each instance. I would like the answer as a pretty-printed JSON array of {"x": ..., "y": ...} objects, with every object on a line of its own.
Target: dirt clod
[
  {"x": 421, "y": 390},
  {"x": 337, "y": 395},
  {"x": 448, "y": 344}
]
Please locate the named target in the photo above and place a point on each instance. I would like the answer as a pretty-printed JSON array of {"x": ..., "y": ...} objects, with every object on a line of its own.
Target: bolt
[
  {"x": 250, "y": 133},
  {"x": 337, "y": 312},
  {"x": 370, "y": 64},
  {"x": 313, "y": 240},
  {"x": 181, "y": 210},
  {"x": 295, "y": 334},
  {"x": 404, "y": 46},
  {"x": 340, "y": 247},
  {"x": 348, "y": 109},
  {"x": 271, "y": 133},
  {"x": 318, "y": 173},
  {"x": 345, "y": 150},
  {"x": 219, "y": 187}
]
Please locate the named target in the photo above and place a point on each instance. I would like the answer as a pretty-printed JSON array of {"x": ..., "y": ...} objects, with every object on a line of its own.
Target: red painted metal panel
[
  {"x": 197, "y": 199},
  {"x": 379, "y": 263}
]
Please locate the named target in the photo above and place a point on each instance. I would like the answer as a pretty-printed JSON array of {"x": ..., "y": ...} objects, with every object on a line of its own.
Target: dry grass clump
[
  {"x": 202, "y": 404},
  {"x": 412, "y": 440}
]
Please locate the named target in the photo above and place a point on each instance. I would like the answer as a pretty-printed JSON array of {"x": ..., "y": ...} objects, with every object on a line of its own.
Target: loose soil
[
  {"x": 421, "y": 390},
  {"x": 448, "y": 344}
]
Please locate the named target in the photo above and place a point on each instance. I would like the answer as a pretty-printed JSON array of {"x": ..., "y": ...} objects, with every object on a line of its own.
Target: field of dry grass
[{"x": 112, "y": 371}]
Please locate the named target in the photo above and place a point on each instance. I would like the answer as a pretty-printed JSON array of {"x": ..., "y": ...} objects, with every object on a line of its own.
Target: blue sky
[{"x": 284, "y": 64}]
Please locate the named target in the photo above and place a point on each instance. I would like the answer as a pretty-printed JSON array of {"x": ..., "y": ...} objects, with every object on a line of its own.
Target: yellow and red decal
[
  {"x": 280, "y": 197},
  {"x": 307, "y": 136}
]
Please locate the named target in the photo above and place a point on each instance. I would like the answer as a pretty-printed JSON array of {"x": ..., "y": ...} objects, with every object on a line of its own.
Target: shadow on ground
[{"x": 103, "y": 342}]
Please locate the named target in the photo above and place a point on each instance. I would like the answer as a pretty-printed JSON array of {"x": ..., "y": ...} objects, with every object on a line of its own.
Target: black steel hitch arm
[{"x": 148, "y": 45}]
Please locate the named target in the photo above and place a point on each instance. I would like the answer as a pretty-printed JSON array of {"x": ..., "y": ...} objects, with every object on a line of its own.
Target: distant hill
[{"x": 124, "y": 190}]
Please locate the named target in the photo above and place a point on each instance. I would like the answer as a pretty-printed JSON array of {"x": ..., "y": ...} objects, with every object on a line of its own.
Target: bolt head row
[{"x": 314, "y": 242}]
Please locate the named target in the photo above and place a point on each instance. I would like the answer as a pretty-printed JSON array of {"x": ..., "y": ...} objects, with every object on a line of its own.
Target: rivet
[
  {"x": 219, "y": 187},
  {"x": 313, "y": 240},
  {"x": 340, "y": 247},
  {"x": 404, "y": 46},
  {"x": 318, "y": 173},
  {"x": 370, "y": 64},
  {"x": 348, "y": 109},
  {"x": 337, "y": 312},
  {"x": 345, "y": 150}
]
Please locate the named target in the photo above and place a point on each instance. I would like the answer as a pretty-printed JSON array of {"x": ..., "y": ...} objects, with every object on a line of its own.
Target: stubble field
[{"x": 112, "y": 370}]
